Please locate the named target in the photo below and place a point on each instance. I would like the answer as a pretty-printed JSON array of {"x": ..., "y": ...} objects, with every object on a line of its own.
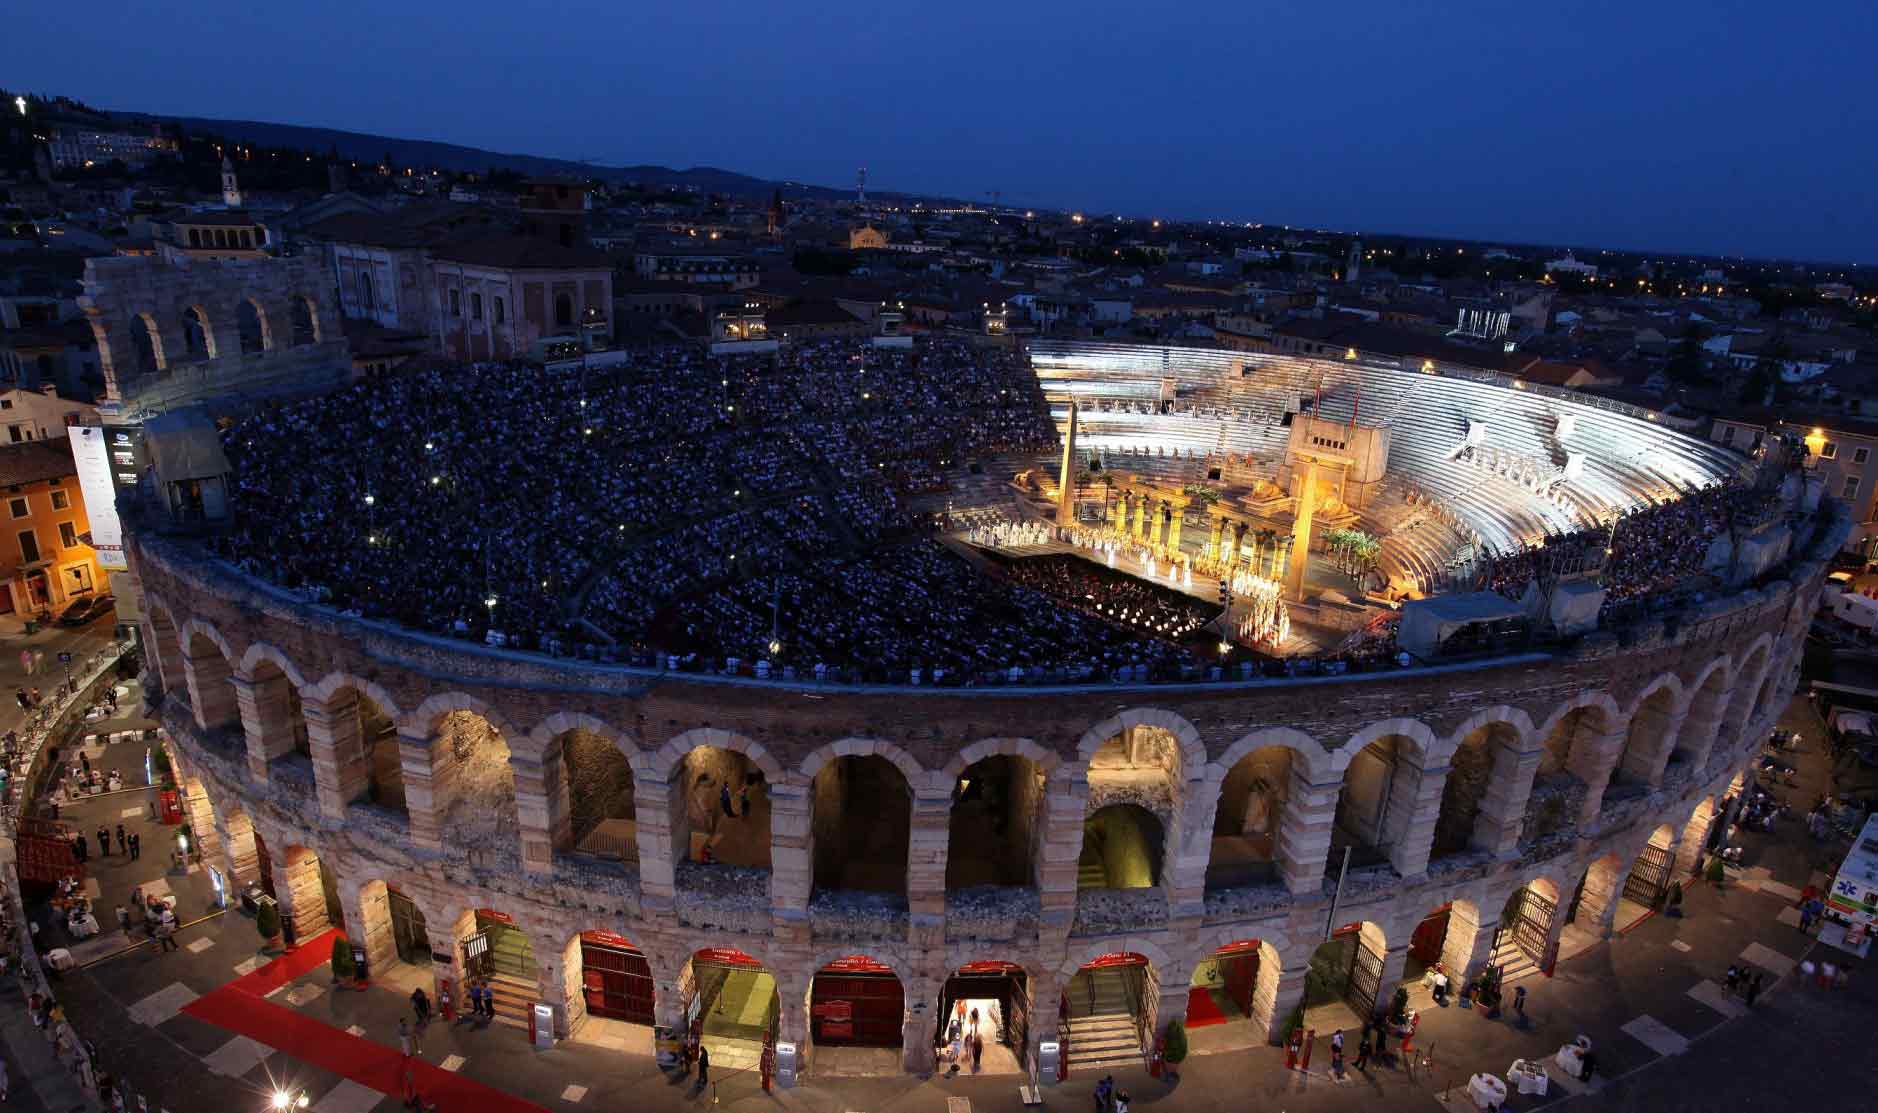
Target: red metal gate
[
  {"x": 857, "y": 1002},
  {"x": 615, "y": 978}
]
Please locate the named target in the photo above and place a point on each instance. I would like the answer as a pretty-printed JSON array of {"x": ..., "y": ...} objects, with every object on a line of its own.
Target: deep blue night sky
[{"x": 1711, "y": 126}]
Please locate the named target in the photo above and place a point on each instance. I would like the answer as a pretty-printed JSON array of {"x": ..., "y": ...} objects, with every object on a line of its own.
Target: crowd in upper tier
[
  {"x": 1654, "y": 549},
  {"x": 661, "y": 510}
]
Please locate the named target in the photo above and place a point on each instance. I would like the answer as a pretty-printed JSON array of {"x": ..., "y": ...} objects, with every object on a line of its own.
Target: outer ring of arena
[{"x": 1650, "y": 731}]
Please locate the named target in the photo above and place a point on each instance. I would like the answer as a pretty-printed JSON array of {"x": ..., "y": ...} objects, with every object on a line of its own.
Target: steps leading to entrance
[
  {"x": 1103, "y": 1040},
  {"x": 1513, "y": 962},
  {"x": 732, "y": 1054},
  {"x": 513, "y": 997},
  {"x": 1090, "y": 875}
]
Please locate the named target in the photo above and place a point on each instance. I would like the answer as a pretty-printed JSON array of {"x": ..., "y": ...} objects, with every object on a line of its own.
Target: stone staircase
[
  {"x": 1513, "y": 962},
  {"x": 731, "y": 1054},
  {"x": 515, "y": 992},
  {"x": 1102, "y": 1032}
]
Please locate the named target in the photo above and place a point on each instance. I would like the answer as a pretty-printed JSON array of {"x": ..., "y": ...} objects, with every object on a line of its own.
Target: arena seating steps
[{"x": 1105, "y": 1035}]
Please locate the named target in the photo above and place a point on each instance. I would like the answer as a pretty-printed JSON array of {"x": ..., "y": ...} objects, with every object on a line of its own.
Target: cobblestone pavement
[{"x": 1637, "y": 996}]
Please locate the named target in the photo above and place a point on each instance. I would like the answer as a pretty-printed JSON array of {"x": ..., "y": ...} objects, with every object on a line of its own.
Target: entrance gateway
[
  {"x": 731, "y": 1007},
  {"x": 615, "y": 978},
  {"x": 856, "y": 1002},
  {"x": 1223, "y": 984},
  {"x": 1649, "y": 878},
  {"x": 998, "y": 987},
  {"x": 408, "y": 933}
]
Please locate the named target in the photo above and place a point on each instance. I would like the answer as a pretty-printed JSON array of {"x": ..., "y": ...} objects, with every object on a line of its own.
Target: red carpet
[
  {"x": 1202, "y": 1010},
  {"x": 241, "y": 1007}
]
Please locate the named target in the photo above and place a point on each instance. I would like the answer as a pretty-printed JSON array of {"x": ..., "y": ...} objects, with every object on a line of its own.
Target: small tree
[
  {"x": 1398, "y": 1008},
  {"x": 1715, "y": 873},
  {"x": 1292, "y": 1023},
  {"x": 343, "y": 968},
  {"x": 267, "y": 922},
  {"x": 1176, "y": 1042}
]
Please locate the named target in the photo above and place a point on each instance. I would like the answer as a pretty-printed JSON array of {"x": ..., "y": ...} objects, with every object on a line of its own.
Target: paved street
[{"x": 1667, "y": 1038}]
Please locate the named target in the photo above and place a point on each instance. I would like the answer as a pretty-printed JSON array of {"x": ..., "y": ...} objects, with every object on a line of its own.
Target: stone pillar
[
  {"x": 1694, "y": 838},
  {"x": 425, "y": 799},
  {"x": 1065, "y": 805},
  {"x": 917, "y": 1054},
  {"x": 792, "y": 994},
  {"x": 443, "y": 941},
  {"x": 241, "y": 863},
  {"x": 211, "y": 693},
  {"x": 1394, "y": 961},
  {"x": 1212, "y": 551},
  {"x": 791, "y": 859},
  {"x": 1599, "y": 760},
  {"x": 1548, "y": 956},
  {"x": 552, "y": 988},
  {"x": 1304, "y": 832},
  {"x": 368, "y": 922},
  {"x": 534, "y": 785},
  {"x": 1173, "y": 531},
  {"x": 1118, "y": 515},
  {"x": 1468, "y": 945},
  {"x": 266, "y": 720},
  {"x": 1701, "y": 727},
  {"x": 1414, "y": 808},
  {"x": 1597, "y": 908},
  {"x": 202, "y": 826},
  {"x": 341, "y": 768},
  {"x": 1193, "y": 850},
  {"x": 1172, "y": 1002},
  {"x": 927, "y": 845},
  {"x": 1503, "y": 806},
  {"x": 1285, "y": 995},
  {"x": 658, "y": 854}
]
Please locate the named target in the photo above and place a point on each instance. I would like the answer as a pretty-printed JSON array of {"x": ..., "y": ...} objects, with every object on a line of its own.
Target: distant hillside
[{"x": 362, "y": 147}]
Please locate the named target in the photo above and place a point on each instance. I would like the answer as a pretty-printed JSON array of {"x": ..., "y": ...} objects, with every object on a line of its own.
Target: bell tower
[{"x": 231, "y": 189}]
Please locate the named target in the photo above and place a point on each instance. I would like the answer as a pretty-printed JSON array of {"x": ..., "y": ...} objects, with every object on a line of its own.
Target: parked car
[{"x": 83, "y": 611}]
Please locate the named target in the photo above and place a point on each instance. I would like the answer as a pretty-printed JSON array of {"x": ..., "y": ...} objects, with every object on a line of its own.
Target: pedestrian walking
[
  {"x": 723, "y": 799},
  {"x": 420, "y": 1004},
  {"x": 1806, "y": 918},
  {"x": 1732, "y": 979},
  {"x": 743, "y": 801},
  {"x": 104, "y": 841},
  {"x": 123, "y": 920},
  {"x": 1103, "y": 1090},
  {"x": 1754, "y": 988},
  {"x": 136, "y": 845},
  {"x": 1121, "y": 1101},
  {"x": 84, "y": 762},
  {"x": 1362, "y": 1051},
  {"x": 704, "y": 1066},
  {"x": 1519, "y": 1002},
  {"x": 1336, "y": 1053},
  {"x": 81, "y": 849},
  {"x": 166, "y": 937},
  {"x": 122, "y": 840},
  {"x": 404, "y": 1037}
]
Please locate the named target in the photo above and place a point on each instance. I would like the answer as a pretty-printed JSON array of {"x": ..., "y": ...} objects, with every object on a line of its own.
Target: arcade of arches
[{"x": 1137, "y": 816}]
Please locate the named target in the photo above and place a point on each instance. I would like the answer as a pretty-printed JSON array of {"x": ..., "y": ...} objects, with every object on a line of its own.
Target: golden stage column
[
  {"x": 1212, "y": 541},
  {"x": 1118, "y": 513},
  {"x": 1066, "y": 479},
  {"x": 1173, "y": 529},
  {"x": 1301, "y": 533}
]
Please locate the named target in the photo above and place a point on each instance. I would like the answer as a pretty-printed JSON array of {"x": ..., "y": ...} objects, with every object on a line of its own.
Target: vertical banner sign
[{"x": 93, "y": 458}]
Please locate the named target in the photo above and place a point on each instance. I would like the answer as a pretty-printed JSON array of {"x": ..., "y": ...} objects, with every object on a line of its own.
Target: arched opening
[
  {"x": 1375, "y": 806},
  {"x": 994, "y": 831},
  {"x": 198, "y": 338},
  {"x": 601, "y": 821},
  {"x": 251, "y": 321},
  {"x": 368, "y": 299},
  {"x": 989, "y": 1000},
  {"x": 564, "y": 310},
  {"x": 146, "y": 345},
  {"x": 1558, "y": 791},
  {"x": 500, "y": 955},
  {"x": 1245, "y": 825},
  {"x": 857, "y": 1001},
  {"x": 394, "y": 935},
  {"x": 1741, "y": 705},
  {"x": 861, "y": 821},
  {"x": 1647, "y": 884},
  {"x": 1345, "y": 978},
  {"x": 720, "y": 810},
  {"x": 1109, "y": 1005},
  {"x": 280, "y": 724},
  {"x": 163, "y": 653},
  {"x": 1702, "y": 721},
  {"x": 1645, "y": 740},
  {"x": 242, "y": 847},
  {"x": 1459, "y": 826},
  {"x": 364, "y": 740},
  {"x": 212, "y": 690},
  {"x": 1440, "y": 949},
  {"x": 308, "y": 896},
  {"x": 305, "y": 322},
  {"x": 1525, "y": 934},
  {"x": 1588, "y": 919},
  {"x": 1235, "y": 987},
  {"x": 609, "y": 981},
  {"x": 1121, "y": 849},
  {"x": 732, "y": 1005},
  {"x": 1699, "y": 836},
  {"x": 470, "y": 755}
]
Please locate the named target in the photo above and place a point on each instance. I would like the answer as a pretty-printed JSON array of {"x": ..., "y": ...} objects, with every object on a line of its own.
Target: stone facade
[{"x": 1679, "y": 707}]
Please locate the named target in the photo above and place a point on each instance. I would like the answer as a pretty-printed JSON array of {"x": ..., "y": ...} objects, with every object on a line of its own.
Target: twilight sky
[{"x": 1697, "y": 125}]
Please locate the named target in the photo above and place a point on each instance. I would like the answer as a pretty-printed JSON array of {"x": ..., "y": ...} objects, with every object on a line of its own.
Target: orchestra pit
[{"x": 822, "y": 701}]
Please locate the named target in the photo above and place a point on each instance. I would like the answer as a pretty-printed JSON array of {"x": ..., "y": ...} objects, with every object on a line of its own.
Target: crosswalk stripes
[
  {"x": 348, "y": 1097},
  {"x": 1655, "y": 1035},
  {"x": 1717, "y": 998}
]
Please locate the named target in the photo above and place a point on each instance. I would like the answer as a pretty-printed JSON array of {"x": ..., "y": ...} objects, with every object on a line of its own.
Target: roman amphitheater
[{"x": 810, "y": 758}]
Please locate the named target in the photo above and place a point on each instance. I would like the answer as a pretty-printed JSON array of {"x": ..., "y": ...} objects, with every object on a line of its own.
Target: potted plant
[
  {"x": 1176, "y": 1050},
  {"x": 1398, "y": 1007},
  {"x": 344, "y": 970},
  {"x": 267, "y": 924},
  {"x": 1716, "y": 874}
]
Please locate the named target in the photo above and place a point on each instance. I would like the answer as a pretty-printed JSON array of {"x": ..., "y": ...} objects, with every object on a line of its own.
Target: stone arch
[
  {"x": 1755, "y": 664},
  {"x": 1089, "y": 952},
  {"x": 258, "y": 652},
  {"x": 909, "y": 768},
  {"x": 273, "y": 717},
  {"x": 548, "y": 730},
  {"x": 1572, "y": 769},
  {"x": 1482, "y": 802},
  {"x": 253, "y": 327},
  {"x": 1427, "y": 748},
  {"x": 1649, "y": 731},
  {"x": 1124, "y": 846},
  {"x": 164, "y": 645},
  {"x": 1256, "y": 781},
  {"x": 1186, "y": 736},
  {"x": 995, "y": 829},
  {"x": 304, "y": 320},
  {"x": 146, "y": 345},
  {"x": 334, "y": 682},
  {"x": 663, "y": 763},
  {"x": 1379, "y": 797},
  {"x": 890, "y": 955},
  {"x": 198, "y": 333},
  {"x": 1702, "y": 712},
  {"x": 1265, "y": 1011},
  {"x": 580, "y": 783},
  {"x": 208, "y": 670},
  {"x": 1044, "y": 759},
  {"x": 860, "y": 828},
  {"x": 433, "y": 710},
  {"x": 307, "y": 891},
  {"x": 678, "y": 790},
  {"x": 1692, "y": 842},
  {"x": 1306, "y": 750}
]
